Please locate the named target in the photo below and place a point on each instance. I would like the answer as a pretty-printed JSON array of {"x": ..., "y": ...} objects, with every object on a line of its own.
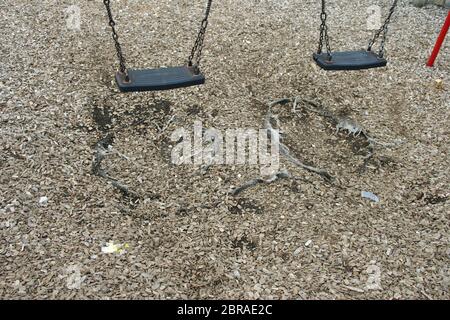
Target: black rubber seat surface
[
  {"x": 159, "y": 79},
  {"x": 350, "y": 60}
]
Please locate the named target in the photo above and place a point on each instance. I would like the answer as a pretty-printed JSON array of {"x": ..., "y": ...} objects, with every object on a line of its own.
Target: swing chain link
[
  {"x": 383, "y": 30},
  {"x": 324, "y": 32},
  {"x": 122, "y": 67},
  {"x": 197, "y": 50}
]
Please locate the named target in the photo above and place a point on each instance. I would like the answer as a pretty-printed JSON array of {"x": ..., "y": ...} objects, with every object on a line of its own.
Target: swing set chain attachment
[
  {"x": 383, "y": 30},
  {"x": 197, "y": 50},
  {"x": 324, "y": 32},
  {"x": 122, "y": 67}
]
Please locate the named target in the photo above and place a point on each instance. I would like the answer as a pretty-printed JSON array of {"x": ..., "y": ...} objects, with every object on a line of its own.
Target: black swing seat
[
  {"x": 159, "y": 79},
  {"x": 349, "y": 60}
]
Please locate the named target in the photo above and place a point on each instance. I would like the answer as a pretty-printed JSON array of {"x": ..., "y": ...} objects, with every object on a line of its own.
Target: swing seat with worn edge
[
  {"x": 349, "y": 60},
  {"x": 159, "y": 79}
]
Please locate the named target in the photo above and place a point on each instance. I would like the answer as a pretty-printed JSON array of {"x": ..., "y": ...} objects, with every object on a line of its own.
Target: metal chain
[
  {"x": 324, "y": 32},
  {"x": 383, "y": 30},
  {"x": 122, "y": 67},
  {"x": 197, "y": 50}
]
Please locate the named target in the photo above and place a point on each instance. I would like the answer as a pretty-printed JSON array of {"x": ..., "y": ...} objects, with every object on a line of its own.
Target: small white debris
[
  {"x": 439, "y": 84},
  {"x": 110, "y": 248},
  {"x": 307, "y": 243},
  {"x": 370, "y": 196},
  {"x": 114, "y": 248},
  {"x": 43, "y": 201},
  {"x": 236, "y": 274},
  {"x": 297, "y": 251}
]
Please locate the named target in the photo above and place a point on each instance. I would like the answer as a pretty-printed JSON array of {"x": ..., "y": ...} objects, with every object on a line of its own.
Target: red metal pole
[{"x": 439, "y": 41}]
